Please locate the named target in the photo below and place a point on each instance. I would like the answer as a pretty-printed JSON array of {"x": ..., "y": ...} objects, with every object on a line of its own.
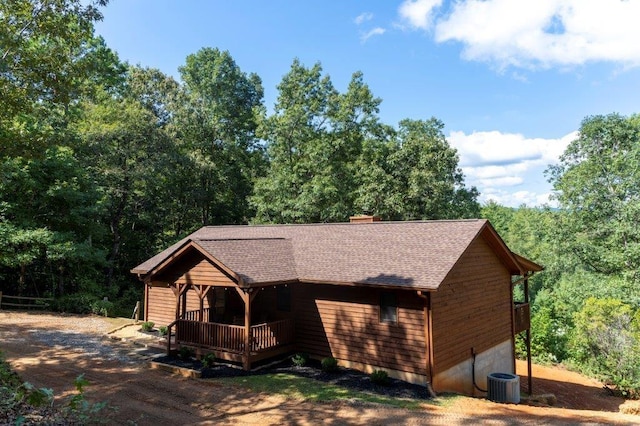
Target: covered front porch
[{"x": 232, "y": 326}]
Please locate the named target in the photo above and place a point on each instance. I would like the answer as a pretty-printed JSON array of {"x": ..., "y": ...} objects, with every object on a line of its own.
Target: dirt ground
[{"x": 51, "y": 350}]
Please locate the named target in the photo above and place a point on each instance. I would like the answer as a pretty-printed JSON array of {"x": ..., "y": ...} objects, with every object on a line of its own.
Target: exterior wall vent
[{"x": 503, "y": 387}]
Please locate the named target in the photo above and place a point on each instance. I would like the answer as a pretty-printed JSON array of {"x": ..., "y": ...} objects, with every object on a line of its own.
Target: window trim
[{"x": 384, "y": 307}]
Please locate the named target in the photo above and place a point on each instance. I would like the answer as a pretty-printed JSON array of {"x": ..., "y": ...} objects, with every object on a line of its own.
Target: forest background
[{"x": 103, "y": 164}]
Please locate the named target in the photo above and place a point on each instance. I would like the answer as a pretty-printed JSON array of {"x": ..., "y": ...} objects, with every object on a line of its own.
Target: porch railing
[
  {"x": 231, "y": 338},
  {"x": 271, "y": 334},
  {"x": 194, "y": 315},
  {"x": 212, "y": 335}
]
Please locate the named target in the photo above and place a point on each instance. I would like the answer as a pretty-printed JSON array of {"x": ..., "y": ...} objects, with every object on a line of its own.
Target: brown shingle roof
[
  {"x": 255, "y": 260},
  {"x": 401, "y": 254}
]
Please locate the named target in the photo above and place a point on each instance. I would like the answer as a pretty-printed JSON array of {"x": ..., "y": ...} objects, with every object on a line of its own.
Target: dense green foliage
[
  {"x": 330, "y": 157},
  {"x": 586, "y": 305},
  {"x": 104, "y": 164}
]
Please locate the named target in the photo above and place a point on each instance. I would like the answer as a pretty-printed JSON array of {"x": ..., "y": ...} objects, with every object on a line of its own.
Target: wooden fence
[{"x": 22, "y": 302}]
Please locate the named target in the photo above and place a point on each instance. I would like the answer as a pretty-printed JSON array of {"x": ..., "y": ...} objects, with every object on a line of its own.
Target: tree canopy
[{"x": 102, "y": 163}]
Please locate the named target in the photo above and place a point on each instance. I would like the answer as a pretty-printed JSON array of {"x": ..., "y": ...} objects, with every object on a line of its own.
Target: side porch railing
[
  {"x": 231, "y": 338},
  {"x": 193, "y": 315}
]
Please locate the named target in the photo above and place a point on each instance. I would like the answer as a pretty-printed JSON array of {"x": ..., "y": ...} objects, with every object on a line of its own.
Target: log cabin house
[{"x": 430, "y": 302}]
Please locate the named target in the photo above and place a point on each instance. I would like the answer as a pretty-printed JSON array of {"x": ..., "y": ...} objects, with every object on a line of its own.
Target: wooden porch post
[
  {"x": 526, "y": 300},
  {"x": 428, "y": 339},
  {"x": 145, "y": 315},
  {"x": 183, "y": 293},
  {"x": 201, "y": 291},
  {"x": 247, "y": 297},
  {"x": 247, "y": 332},
  {"x": 180, "y": 291},
  {"x": 201, "y": 313},
  {"x": 176, "y": 292}
]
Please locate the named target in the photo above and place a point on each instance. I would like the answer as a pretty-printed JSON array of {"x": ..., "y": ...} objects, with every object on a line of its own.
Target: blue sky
[{"x": 511, "y": 80}]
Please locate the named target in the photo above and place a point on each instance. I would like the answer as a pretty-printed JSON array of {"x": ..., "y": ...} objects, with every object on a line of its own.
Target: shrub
[
  {"x": 300, "y": 359},
  {"x": 606, "y": 341},
  {"x": 147, "y": 325},
  {"x": 186, "y": 353},
  {"x": 163, "y": 330},
  {"x": 102, "y": 307},
  {"x": 78, "y": 303},
  {"x": 208, "y": 360},
  {"x": 379, "y": 377},
  {"x": 329, "y": 364}
]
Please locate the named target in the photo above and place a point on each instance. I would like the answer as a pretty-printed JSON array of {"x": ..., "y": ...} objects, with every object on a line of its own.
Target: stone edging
[{"x": 184, "y": 372}]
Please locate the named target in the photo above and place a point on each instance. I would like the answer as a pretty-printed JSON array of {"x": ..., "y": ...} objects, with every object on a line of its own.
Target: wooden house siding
[
  {"x": 472, "y": 308},
  {"x": 193, "y": 268},
  {"x": 343, "y": 322},
  {"x": 161, "y": 308},
  {"x": 204, "y": 272}
]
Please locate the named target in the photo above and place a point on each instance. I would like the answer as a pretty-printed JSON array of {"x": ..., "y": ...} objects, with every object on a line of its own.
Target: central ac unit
[{"x": 503, "y": 387}]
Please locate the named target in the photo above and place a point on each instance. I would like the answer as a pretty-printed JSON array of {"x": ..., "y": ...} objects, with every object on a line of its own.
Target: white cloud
[
  {"x": 495, "y": 148},
  {"x": 376, "y": 31},
  {"x": 518, "y": 198},
  {"x": 507, "y": 167},
  {"x": 418, "y": 13},
  {"x": 363, "y": 17},
  {"x": 531, "y": 34}
]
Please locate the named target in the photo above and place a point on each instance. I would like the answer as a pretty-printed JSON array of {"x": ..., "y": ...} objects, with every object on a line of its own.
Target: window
[
  {"x": 388, "y": 307},
  {"x": 283, "y": 298}
]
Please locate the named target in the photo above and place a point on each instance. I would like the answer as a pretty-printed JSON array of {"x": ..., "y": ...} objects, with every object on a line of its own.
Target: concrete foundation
[{"x": 459, "y": 377}]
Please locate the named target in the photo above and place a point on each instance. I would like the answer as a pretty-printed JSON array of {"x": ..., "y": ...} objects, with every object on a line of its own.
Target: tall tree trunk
[{"x": 22, "y": 279}]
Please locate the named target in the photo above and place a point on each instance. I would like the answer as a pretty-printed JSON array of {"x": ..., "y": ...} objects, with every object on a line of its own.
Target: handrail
[{"x": 231, "y": 338}]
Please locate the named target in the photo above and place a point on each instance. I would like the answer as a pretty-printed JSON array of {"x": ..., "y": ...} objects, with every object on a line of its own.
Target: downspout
[{"x": 428, "y": 340}]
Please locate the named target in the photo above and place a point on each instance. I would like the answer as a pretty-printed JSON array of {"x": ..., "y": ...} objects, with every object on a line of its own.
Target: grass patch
[
  {"x": 115, "y": 322},
  {"x": 302, "y": 388}
]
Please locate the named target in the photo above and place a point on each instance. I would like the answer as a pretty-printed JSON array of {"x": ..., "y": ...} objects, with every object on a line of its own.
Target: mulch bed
[{"x": 344, "y": 377}]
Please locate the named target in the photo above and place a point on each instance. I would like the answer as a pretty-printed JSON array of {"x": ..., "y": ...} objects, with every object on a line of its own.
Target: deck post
[
  {"x": 247, "y": 296},
  {"x": 247, "y": 331},
  {"x": 526, "y": 300},
  {"x": 176, "y": 292}
]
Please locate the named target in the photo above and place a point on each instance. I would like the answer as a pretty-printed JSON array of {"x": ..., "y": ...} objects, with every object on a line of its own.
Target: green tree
[
  {"x": 126, "y": 153},
  {"x": 216, "y": 128},
  {"x": 377, "y": 190},
  {"x": 49, "y": 219},
  {"x": 315, "y": 141},
  {"x": 426, "y": 170},
  {"x": 170, "y": 206},
  {"x": 48, "y": 59},
  {"x": 597, "y": 183},
  {"x": 297, "y": 187},
  {"x": 331, "y": 157},
  {"x": 501, "y": 217},
  {"x": 606, "y": 340}
]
